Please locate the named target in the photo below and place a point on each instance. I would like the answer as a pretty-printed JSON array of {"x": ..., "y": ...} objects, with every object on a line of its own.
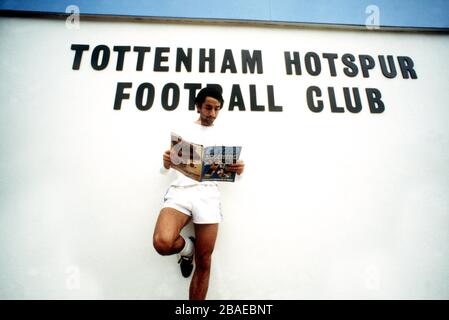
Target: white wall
[{"x": 343, "y": 205}]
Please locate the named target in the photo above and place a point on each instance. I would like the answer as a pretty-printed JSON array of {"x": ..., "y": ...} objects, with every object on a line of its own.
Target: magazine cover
[
  {"x": 203, "y": 163},
  {"x": 215, "y": 161},
  {"x": 186, "y": 157}
]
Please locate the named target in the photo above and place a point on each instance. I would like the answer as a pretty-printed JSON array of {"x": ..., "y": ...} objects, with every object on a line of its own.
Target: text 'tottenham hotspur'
[{"x": 197, "y": 61}]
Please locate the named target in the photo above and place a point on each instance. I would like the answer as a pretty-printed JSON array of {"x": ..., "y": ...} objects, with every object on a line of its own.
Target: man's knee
[
  {"x": 163, "y": 244},
  {"x": 203, "y": 261}
]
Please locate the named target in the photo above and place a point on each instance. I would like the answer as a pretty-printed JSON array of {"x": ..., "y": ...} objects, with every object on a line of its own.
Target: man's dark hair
[{"x": 208, "y": 92}]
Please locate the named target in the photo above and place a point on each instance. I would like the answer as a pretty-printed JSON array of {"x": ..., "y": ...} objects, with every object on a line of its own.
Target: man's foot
[{"x": 186, "y": 263}]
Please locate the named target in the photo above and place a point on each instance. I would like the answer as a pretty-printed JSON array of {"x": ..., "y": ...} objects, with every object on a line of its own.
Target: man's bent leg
[
  {"x": 166, "y": 238},
  {"x": 205, "y": 234}
]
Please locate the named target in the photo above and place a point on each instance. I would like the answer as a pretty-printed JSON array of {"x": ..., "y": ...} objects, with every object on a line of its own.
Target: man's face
[{"x": 209, "y": 111}]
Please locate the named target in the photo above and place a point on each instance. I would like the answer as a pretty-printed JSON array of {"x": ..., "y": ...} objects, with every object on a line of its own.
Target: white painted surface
[{"x": 360, "y": 211}]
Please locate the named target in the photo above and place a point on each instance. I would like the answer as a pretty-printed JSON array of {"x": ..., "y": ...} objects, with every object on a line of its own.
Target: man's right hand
[{"x": 166, "y": 159}]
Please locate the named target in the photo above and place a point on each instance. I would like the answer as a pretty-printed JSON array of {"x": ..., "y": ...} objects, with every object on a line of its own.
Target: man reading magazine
[
  {"x": 201, "y": 163},
  {"x": 188, "y": 199}
]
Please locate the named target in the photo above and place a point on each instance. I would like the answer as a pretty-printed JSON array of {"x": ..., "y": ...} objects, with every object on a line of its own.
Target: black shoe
[{"x": 186, "y": 263}]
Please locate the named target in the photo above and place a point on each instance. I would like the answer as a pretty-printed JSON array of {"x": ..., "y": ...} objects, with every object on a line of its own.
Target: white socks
[{"x": 188, "y": 249}]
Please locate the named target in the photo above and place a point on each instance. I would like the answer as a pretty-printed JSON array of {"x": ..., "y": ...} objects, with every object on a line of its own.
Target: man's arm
[{"x": 166, "y": 160}]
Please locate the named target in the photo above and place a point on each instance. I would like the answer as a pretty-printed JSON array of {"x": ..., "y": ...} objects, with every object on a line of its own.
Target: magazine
[{"x": 203, "y": 163}]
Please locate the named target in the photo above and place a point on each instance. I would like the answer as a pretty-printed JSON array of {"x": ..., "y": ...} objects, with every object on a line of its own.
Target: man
[{"x": 187, "y": 199}]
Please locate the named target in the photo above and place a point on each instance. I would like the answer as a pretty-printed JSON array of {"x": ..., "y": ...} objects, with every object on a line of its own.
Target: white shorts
[{"x": 201, "y": 202}]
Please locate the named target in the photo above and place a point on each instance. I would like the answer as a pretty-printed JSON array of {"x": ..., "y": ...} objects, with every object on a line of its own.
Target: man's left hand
[{"x": 236, "y": 167}]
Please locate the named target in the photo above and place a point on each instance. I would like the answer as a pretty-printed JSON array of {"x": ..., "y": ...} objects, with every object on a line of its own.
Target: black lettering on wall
[
  {"x": 271, "y": 104},
  {"x": 251, "y": 62},
  {"x": 295, "y": 62},
  {"x": 354, "y": 108},
  {"x": 311, "y": 103},
  {"x": 253, "y": 99},
  {"x": 333, "y": 101},
  {"x": 141, "y": 56},
  {"x": 366, "y": 63},
  {"x": 120, "y": 94},
  {"x": 331, "y": 61},
  {"x": 105, "y": 55},
  {"x": 170, "y": 87},
  {"x": 121, "y": 50},
  {"x": 210, "y": 59},
  {"x": 228, "y": 62},
  {"x": 79, "y": 49},
  {"x": 159, "y": 58},
  {"x": 375, "y": 103},
  {"x": 390, "y": 71},
  {"x": 184, "y": 59},
  {"x": 406, "y": 64},
  {"x": 313, "y": 68},
  {"x": 348, "y": 60},
  {"x": 192, "y": 87},
  {"x": 236, "y": 99},
  {"x": 147, "y": 88}
]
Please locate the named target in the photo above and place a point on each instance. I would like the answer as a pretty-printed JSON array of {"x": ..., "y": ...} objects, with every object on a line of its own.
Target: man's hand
[
  {"x": 166, "y": 159},
  {"x": 236, "y": 167}
]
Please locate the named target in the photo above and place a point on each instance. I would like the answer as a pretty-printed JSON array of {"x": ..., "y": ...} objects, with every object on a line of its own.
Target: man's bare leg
[
  {"x": 166, "y": 238},
  {"x": 205, "y": 235}
]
